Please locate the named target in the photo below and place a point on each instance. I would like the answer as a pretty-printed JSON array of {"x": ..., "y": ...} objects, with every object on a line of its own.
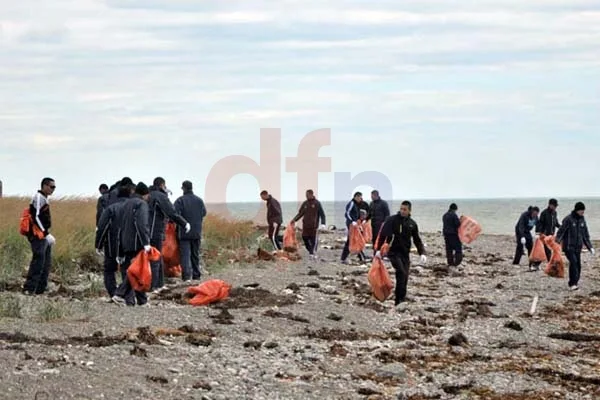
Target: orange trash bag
[
  {"x": 556, "y": 265},
  {"x": 139, "y": 272},
  {"x": 170, "y": 248},
  {"x": 357, "y": 240},
  {"x": 469, "y": 229},
  {"x": 209, "y": 292},
  {"x": 538, "y": 254},
  {"x": 379, "y": 279},
  {"x": 290, "y": 242},
  {"x": 173, "y": 272},
  {"x": 367, "y": 231}
]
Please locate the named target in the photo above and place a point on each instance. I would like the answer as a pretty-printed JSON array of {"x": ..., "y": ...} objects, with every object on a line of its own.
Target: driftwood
[{"x": 575, "y": 337}]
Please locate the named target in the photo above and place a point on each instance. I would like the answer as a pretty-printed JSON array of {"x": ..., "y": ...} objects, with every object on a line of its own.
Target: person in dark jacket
[
  {"x": 525, "y": 224},
  {"x": 352, "y": 215},
  {"x": 573, "y": 235},
  {"x": 193, "y": 210},
  {"x": 161, "y": 208},
  {"x": 134, "y": 237},
  {"x": 313, "y": 217},
  {"x": 41, "y": 244},
  {"x": 548, "y": 223},
  {"x": 113, "y": 194},
  {"x": 274, "y": 218},
  {"x": 100, "y": 204},
  {"x": 379, "y": 210},
  {"x": 107, "y": 238},
  {"x": 398, "y": 230},
  {"x": 451, "y": 223}
]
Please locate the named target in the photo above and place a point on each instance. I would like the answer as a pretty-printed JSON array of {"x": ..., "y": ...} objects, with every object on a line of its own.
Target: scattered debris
[
  {"x": 458, "y": 339},
  {"x": 514, "y": 325}
]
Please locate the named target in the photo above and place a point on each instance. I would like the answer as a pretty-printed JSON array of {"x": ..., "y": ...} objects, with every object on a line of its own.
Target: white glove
[
  {"x": 323, "y": 227},
  {"x": 378, "y": 254},
  {"x": 50, "y": 239},
  {"x": 147, "y": 248},
  {"x": 523, "y": 241},
  {"x": 593, "y": 252},
  {"x": 423, "y": 259},
  {"x": 354, "y": 223},
  {"x": 100, "y": 252},
  {"x": 188, "y": 227},
  {"x": 120, "y": 260}
]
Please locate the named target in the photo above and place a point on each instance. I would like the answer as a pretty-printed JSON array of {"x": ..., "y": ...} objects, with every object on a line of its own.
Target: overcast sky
[{"x": 447, "y": 99}]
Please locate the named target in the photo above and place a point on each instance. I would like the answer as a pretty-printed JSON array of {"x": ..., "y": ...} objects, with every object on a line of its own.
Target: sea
[{"x": 496, "y": 216}]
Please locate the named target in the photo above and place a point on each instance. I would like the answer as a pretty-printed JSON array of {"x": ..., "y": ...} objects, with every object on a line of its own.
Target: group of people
[{"x": 131, "y": 218}]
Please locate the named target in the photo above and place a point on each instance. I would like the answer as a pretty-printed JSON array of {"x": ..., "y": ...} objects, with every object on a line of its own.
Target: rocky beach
[{"x": 311, "y": 330}]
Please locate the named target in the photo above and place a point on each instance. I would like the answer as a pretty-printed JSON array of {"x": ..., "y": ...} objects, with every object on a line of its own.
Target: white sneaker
[
  {"x": 119, "y": 300},
  {"x": 574, "y": 287}
]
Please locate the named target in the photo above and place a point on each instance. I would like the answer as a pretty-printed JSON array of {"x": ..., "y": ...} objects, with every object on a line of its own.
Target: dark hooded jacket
[
  {"x": 161, "y": 208},
  {"x": 311, "y": 212},
  {"x": 109, "y": 227},
  {"x": 451, "y": 223},
  {"x": 274, "y": 214},
  {"x": 548, "y": 222},
  {"x": 193, "y": 210},
  {"x": 101, "y": 205},
  {"x": 379, "y": 210},
  {"x": 135, "y": 228},
  {"x": 525, "y": 224},
  {"x": 573, "y": 233}
]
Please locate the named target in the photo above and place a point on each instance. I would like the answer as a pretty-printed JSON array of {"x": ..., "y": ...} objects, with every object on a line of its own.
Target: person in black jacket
[
  {"x": 548, "y": 223},
  {"x": 398, "y": 230},
  {"x": 192, "y": 209},
  {"x": 161, "y": 208},
  {"x": 525, "y": 224},
  {"x": 100, "y": 204},
  {"x": 134, "y": 237},
  {"x": 107, "y": 238},
  {"x": 573, "y": 235},
  {"x": 379, "y": 210},
  {"x": 451, "y": 223},
  {"x": 274, "y": 218},
  {"x": 41, "y": 243}
]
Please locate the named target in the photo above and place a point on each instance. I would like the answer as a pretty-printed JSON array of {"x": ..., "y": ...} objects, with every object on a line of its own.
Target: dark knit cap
[
  {"x": 453, "y": 207},
  {"x": 579, "y": 206},
  {"x": 142, "y": 189}
]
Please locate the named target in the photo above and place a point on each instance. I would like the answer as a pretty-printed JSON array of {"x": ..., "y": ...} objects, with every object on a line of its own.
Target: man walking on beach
[
  {"x": 525, "y": 224},
  {"x": 135, "y": 237},
  {"x": 311, "y": 211},
  {"x": 107, "y": 238},
  {"x": 398, "y": 230},
  {"x": 451, "y": 223},
  {"x": 379, "y": 210},
  {"x": 274, "y": 218},
  {"x": 193, "y": 210},
  {"x": 40, "y": 239},
  {"x": 352, "y": 215},
  {"x": 548, "y": 223},
  {"x": 161, "y": 208},
  {"x": 573, "y": 235}
]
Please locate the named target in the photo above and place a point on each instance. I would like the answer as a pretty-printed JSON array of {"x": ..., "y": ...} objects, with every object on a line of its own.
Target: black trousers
[
  {"x": 310, "y": 242},
  {"x": 158, "y": 270},
  {"x": 274, "y": 236},
  {"x": 125, "y": 290},
  {"x": 346, "y": 251},
  {"x": 39, "y": 268},
  {"x": 110, "y": 272},
  {"x": 454, "y": 250},
  {"x": 519, "y": 251},
  {"x": 189, "y": 252},
  {"x": 401, "y": 264},
  {"x": 574, "y": 257}
]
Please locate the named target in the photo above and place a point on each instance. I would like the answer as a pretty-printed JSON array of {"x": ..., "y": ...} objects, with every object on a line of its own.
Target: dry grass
[{"x": 73, "y": 226}]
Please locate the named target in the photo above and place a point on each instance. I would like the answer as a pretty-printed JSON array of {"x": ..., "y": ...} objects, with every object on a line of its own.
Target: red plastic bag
[
  {"x": 357, "y": 240},
  {"x": 556, "y": 265},
  {"x": 139, "y": 272},
  {"x": 379, "y": 279},
  {"x": 173, "y": 272},
  {"x": 209, "y": 292},
  {"x": 367, "y": 231},
  {"x": 538, "y": 254},
  {"x": 469, "y": 229},
  {"x": 385, "y": 247},
  {"x": 290, "y": 242},
  {"x": 170, "y": 248}
]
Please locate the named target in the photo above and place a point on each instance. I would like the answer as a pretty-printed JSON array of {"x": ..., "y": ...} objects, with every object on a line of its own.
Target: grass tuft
[
  {"x": 52, "y": 311},
  {"x": 10, "y": 307}
]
